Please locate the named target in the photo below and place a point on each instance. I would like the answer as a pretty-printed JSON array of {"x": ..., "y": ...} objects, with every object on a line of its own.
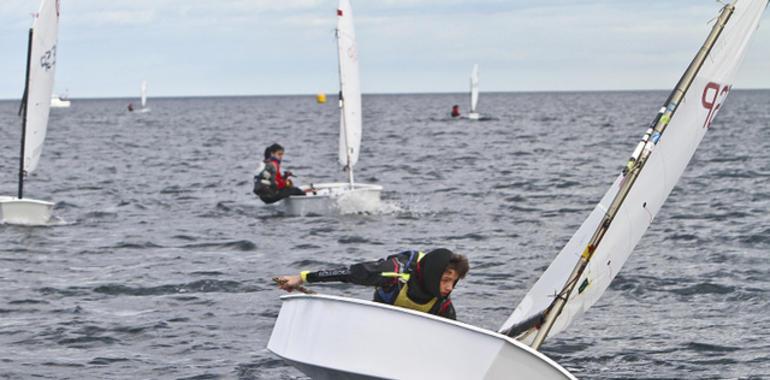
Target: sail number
[
  {"x": 714, "y": 95},
  {"x": 48, "y": 59}
]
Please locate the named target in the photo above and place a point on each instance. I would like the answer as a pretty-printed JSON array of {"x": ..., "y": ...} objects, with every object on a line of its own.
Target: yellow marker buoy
[{"x": 320, "y": 98}]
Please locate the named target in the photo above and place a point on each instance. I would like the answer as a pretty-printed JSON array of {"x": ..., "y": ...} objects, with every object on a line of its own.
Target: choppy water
[{"x": 161, "y": 266}]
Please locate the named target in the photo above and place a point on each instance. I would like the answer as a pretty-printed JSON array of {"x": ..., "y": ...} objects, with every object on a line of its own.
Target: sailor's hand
[
  {"x": 288, "y": 174},
  {"x": 290, "y": 283}
]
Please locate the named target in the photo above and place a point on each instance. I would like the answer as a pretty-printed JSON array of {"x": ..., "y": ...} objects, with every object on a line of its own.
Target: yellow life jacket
[{"x": 404, "y": 301}]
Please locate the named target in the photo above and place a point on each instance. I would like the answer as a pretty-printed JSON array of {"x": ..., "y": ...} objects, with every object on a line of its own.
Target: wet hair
[
  {"x": 272, "y": 149},
  {"x": 459, "y": 263}
]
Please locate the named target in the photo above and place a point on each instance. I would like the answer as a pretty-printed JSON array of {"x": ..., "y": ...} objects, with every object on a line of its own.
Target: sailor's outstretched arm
[{"x": 368, "y": 273}]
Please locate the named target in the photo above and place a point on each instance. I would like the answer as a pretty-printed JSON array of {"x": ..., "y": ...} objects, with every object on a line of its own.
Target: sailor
[
  {"x": 411, "y": 279},
  {"x": 455, "y": 111},
  {"x": 270, "y": 184},
  {"x": 130, "y": 107}
]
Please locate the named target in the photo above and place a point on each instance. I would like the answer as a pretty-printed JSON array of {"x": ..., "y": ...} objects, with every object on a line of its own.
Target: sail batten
[
  {"x": 350, "y": 88},
  {"x": 638, "y": 194}
]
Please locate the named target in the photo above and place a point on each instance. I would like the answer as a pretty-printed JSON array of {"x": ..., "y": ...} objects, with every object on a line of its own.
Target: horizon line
[{"x": 121, "y": 97}]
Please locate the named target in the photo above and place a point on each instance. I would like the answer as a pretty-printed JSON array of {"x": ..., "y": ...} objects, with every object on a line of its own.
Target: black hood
[{"x": 428, "y": 274}]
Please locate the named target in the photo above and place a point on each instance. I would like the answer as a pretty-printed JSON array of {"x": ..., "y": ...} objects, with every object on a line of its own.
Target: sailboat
[
  {"x": 330, "y": 337},
  {"x": 35, "y": 107},
  {"x": 473, "y": 115},
  {"x": 144, "y": 97},
  {"x": 59, "y": 101},
  {"x": 350, "y": 196}
]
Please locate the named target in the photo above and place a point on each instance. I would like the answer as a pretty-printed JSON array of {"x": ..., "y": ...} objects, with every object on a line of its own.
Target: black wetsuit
[
  {"x": 379, "y": 274},
  {"x": 279, "y": 195},
  {"x": 271, "y": 186}
]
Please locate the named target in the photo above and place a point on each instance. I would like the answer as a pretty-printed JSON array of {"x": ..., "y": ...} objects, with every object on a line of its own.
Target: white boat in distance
[
  {"x": 35, "y": 108},
  {"x": 473, "y": 114},
  {"x": 349, "y": 197},
  {"x": 143, "y": 100},
  {"x": 60, "y": 101},
  {"x": 331, "y": 337}
]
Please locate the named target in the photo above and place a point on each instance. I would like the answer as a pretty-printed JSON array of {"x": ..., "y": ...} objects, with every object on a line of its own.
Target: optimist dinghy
[
  {"x": 350, "y": 197},
  {"x": 35, "y": 108},
  {"x": 143, "y": 99},
  {"x": 331, "y": 337},
  {"x": 473, "y": 115}
]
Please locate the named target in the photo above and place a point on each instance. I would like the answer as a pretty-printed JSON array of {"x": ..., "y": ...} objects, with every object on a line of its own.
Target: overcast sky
[{"x": 243, "y": 47}]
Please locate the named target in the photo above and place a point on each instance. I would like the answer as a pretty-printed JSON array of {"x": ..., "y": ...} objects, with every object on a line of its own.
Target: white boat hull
[
  {"x": 335, "y": 198},
  {"x": 25, "y": 211},
  {"x": 59, "y": 103},
  {"x": 329, "y": 337},
  {"x": 474, "y": 116}
]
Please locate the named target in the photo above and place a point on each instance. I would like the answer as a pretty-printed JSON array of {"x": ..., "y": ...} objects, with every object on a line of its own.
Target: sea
[{"x": 159, "y": 260}]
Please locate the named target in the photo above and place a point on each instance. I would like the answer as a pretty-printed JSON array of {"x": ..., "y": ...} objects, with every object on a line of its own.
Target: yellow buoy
[{"x": 320, "y": 98}]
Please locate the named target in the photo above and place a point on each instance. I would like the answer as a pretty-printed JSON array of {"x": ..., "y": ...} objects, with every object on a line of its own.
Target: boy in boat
[
  {"x": 270, "y": 185},
  {"x": 455, "y": 111},
  {"x": 410, "y": 279}
]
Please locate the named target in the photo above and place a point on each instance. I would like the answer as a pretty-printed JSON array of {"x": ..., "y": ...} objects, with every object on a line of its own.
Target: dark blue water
[{"x": 161, "y": 261}]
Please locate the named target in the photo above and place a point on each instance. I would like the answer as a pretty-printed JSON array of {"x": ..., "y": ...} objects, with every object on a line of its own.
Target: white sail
[
  {"x": 657, "y": 178},
  {"x": 350, "y": 86},
  {"x": 144, "y": 94},
  {"x": 474, "y": 87},
  {"x": 42, "y": 67}
]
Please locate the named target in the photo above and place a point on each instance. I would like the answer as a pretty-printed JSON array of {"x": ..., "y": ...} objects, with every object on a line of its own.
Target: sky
[{"x": 262, "y": 47}]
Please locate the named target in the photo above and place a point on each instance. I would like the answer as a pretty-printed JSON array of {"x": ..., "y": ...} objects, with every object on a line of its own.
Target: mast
[
  {"x": 631, "y": 171},
  {"x": 23, "y": 112}
]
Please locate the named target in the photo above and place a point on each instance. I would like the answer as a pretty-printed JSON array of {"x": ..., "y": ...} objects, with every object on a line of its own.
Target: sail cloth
[
  {"x": 657, "y": 178},
  {"x": 474, "y": 87},
  {"x": 350, "y": 86},
  {"x": 42, "y": 67}
]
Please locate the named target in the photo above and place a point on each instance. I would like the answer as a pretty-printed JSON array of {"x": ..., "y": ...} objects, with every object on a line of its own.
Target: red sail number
[{"x": 713, "y": 96}]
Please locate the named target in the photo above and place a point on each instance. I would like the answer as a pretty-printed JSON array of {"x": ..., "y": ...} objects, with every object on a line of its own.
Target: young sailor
[
  {"x": 270, "y": 184},
  {"x": 411, "y": 279},
  {"x": 455, "y": 111}
]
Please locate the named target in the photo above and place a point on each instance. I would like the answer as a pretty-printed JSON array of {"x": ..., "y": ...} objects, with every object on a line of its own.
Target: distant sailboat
[
  {"x": 473, "y": 115},
  {"x": 35, "y": 107},
  {"x": 144, "y": 97},
  {"x": 58, "y": 101},
  {"x": 323, "y": 335},
  {"x": 327, "y": 198}
]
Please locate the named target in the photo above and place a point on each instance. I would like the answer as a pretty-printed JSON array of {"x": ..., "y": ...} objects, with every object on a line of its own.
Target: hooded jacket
[{"x": 410, "y": 274}]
